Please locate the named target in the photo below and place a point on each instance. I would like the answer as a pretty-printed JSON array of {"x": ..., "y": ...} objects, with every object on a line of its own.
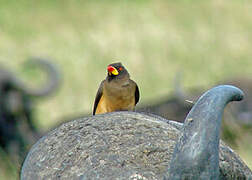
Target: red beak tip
[{"x": 110, "y": 68}]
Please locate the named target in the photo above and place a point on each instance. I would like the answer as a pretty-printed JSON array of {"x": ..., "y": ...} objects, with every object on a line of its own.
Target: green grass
[{"x": 208, "y": 40}]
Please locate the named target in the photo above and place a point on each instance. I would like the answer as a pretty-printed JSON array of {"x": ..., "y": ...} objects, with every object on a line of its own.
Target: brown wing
[
  {"x": 98, "y": 96},
  {"x": 137, "y": 94}
]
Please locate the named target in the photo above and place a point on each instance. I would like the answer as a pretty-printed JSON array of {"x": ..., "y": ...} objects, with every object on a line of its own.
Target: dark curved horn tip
[
  {"x": 238, "y": 93},
  {"x": 238, "y": 97}
]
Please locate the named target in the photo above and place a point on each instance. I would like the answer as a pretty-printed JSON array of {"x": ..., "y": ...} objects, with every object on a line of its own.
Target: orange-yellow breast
[{"x": 117, "y": 100}]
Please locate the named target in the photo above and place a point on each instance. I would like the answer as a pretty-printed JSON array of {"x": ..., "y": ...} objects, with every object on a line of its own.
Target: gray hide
[{"x": 130, "y": 145}]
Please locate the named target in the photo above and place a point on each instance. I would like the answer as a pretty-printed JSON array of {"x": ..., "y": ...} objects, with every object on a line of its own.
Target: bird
[{"x": 117, "y": 92}]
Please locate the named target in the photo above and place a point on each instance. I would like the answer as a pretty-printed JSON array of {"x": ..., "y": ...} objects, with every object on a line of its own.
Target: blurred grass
[
  {"x": 208, "y": 40},
  {"x": 8, "y": 169}
]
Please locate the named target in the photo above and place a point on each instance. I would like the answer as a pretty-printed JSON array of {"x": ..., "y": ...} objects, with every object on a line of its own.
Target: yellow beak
[{"x": 112, "y": 70}]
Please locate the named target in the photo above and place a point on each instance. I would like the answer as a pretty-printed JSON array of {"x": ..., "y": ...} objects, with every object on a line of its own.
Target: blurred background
[{"x": 171, "y": 49}]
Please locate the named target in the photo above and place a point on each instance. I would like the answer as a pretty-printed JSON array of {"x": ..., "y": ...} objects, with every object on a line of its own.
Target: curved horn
[
  {"x": 52, "y": 82},
  {"x": 196, "y": 155}
]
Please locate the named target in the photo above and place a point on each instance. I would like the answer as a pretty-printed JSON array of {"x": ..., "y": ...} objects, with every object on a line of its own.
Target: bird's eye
[{"x": 120, "y": 68}]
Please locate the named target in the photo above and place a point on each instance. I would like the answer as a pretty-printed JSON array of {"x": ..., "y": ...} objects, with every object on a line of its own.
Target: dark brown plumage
[{"x": 117, "y": 92}]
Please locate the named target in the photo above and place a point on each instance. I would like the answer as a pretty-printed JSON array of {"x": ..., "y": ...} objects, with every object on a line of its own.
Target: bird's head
[{"x": 116, "y": 70}]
